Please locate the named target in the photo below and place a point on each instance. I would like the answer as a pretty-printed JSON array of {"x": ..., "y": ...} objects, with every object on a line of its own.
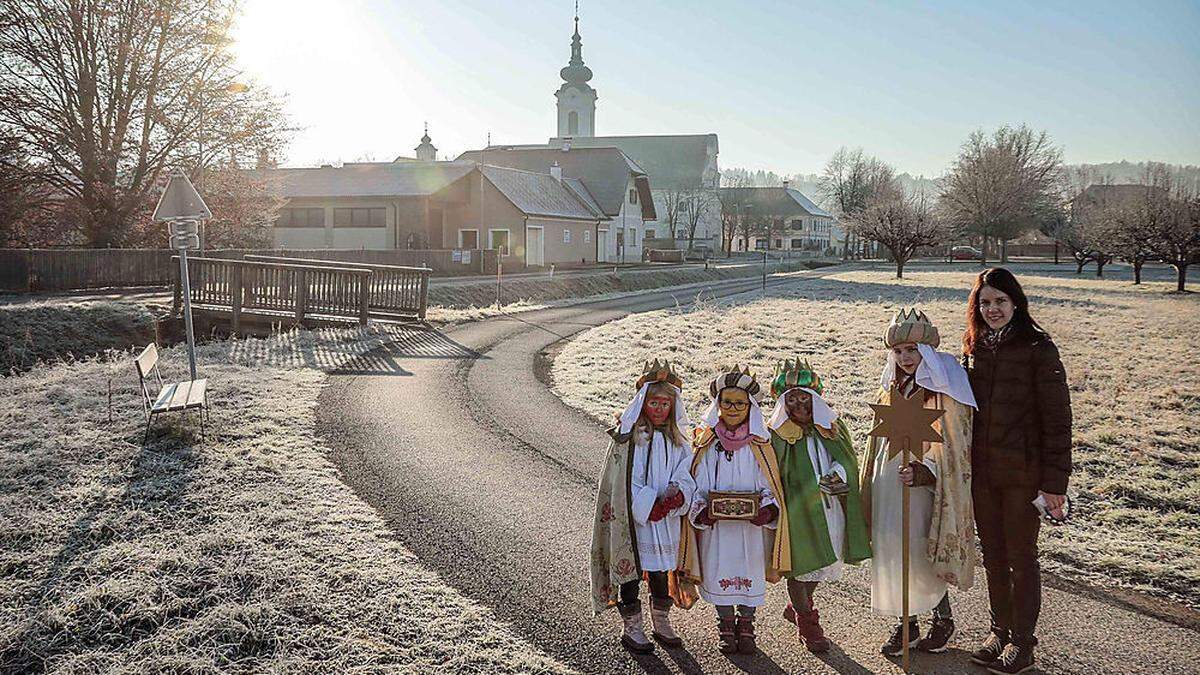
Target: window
[
  {"x": 633, "y": 196},
  {"x": 498, "y": 240},
  {"x": 468, "y": 239},
  {"x": 572, "y": 123},
  {"x": 566, "y": 235},
  {"x": 587, "y": 236},
  {"x": 360, "y": 217},
  {"x": 760, "y": 244},
  {"x": 797, "y": 243},
  {"x": 651, "y": 234},
  {"x": 633, "y": 240},
  {"x": 778, "y": 243},
  {"x": 301, "y": 218}
]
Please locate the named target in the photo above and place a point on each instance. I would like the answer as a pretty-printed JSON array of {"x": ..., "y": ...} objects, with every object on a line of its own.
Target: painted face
[
  {"x": 735, "y": 407},
  {"x": 799, "y": 406},
  {"x": 657, "y": 409},
  {"x": 908, "y": 357},
  {"x": 995, "y": 307}
]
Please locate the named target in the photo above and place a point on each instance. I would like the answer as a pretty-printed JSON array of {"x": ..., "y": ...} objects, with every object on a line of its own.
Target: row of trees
[
  {"x": 1008, "y": 183},
  {"x": 99, "y": 99}
]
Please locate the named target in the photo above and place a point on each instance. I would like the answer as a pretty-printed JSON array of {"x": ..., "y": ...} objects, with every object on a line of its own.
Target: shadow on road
[{"x": 414, "y": 343}]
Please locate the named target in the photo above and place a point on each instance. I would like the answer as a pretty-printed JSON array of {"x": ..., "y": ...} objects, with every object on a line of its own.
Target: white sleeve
[
  {"x": 932, "y": 465},
  {"x": 681, "y": 476},
  {"x": 836, "y": 467},
  {"x": 767, "y": 497},
  {"x": 644, "y": 497},
  {"x": 699, "y": 498}
]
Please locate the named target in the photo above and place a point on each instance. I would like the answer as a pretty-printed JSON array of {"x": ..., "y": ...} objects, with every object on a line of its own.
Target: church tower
[
  {"x": 425, "y": 151},
  {"x": 576, "y": 98}
]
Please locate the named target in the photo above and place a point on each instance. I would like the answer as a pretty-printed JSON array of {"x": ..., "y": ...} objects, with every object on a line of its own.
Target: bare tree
[
  {"x": 730, "y": 203},
  {"x": 1136, "y": 223},
  {"x": 901, "y": 222},
  {"x": 105, "y": 96},
  {"x": 1002, "y": 185},
  {"x": 1177, "y": 241},
  {"x": 850, "y": 182}
]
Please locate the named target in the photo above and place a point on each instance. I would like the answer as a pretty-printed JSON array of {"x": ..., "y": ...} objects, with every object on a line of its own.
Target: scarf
[
  {"x": 732, "y": 441},
  {"x": 992, "y": 338}
]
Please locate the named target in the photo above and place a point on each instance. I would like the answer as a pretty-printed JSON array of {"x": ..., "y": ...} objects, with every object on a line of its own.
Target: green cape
[{"x": 811, "y": 549}]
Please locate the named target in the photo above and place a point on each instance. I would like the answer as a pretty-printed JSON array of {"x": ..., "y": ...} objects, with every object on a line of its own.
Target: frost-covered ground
[
  {"x": 242, "y": 552},
  {"x": 52, "y": 329},
  {"x": 1130, "y": 354}
]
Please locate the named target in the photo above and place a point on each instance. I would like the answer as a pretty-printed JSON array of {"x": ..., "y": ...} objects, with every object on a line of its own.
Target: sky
[{"x": 784, "y": 85}]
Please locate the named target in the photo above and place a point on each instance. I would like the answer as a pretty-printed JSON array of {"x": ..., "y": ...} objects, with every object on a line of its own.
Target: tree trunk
[
  {"x": 983, "y": 252},
  {"x": 1181, "y": 276},
  {"x": 899, "y": 268},
  {"x": 1137, "y": 272},
  {"x": 1100, "y": 267},
  {"x": 1004, "y": 251},
  {"x": 1056, "y": 252},
  {"x": 1079, "y": 266}
]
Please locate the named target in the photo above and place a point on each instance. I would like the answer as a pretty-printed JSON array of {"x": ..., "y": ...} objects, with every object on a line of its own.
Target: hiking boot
[
  {"x": 991, "y": 648},
  {"x": 941, "y": 629},
  {"x": 808, "y": 626},
  {"x": 745, "y": 634},
  {"x": 895, "y": 644},
  {"x": 1014, "y": 659},
  {"x": 634, "y": 636},
  {"x": 728, "y": 634},
  {"x": 660, "y": 622}
]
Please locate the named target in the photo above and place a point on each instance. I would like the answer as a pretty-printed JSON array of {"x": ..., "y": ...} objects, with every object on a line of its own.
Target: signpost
[{"x": 182, "y": 209}]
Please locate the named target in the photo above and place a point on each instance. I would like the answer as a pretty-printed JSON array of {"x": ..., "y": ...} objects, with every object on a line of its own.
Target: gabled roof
[
  {"x": 776, "y": 201},
  {"x": 581, "y": 192},
  {"x": 669, "y": 161},
  {"x": 540, "y": 194},
  {"x": 605, "y": 171},
  {"x": 368, "y": 179}
]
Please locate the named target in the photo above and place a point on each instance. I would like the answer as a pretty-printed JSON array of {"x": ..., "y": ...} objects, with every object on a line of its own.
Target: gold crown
[
  {"x": 797, "y": 373},
  {"x": 911, "y": 325},
  {"x": 739, "y": 377},
  {"x": 656, "y": 371}
]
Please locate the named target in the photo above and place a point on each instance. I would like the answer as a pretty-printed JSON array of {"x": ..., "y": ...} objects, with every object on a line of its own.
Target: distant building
[
  {"x": 783, "y": 218},
  {"x": 618, "y": 186}
]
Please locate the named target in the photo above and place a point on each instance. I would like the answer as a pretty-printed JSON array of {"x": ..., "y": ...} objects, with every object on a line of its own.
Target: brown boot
[
  {"x": 727, "y": 632},
  {"x": 660, "y": 622},
  {"x": 745, "y": 634},
  {"x": 634, "y": 636},
  {"x": 808, "y": 625}
]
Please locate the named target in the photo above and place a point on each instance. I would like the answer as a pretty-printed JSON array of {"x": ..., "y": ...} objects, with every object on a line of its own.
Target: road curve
[{"x": 489, "y": 478}]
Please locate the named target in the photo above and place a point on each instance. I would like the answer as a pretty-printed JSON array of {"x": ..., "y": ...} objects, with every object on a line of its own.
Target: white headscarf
[
  {"x": 938, "y": 371},
  {"x": 757, "y": 425},
  {"x": 823, "y": 415},
  {"x": 634, "y": 411}
]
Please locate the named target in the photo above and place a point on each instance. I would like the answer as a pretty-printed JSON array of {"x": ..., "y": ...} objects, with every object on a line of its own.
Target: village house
[{"x": 782, "y": 218}]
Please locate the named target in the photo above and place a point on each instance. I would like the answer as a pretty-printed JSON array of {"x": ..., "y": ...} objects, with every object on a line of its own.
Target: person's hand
[
  {"x": 659, "y": 511},
  {"x": 705, "y": 518},
  {"x": 833, "y": 485},
  {"x": 765, "y": 515},
  {"x": 1054, "y": 503},
  {"x": 916, "y": 474},
  {"x": 672, "y": 490}
]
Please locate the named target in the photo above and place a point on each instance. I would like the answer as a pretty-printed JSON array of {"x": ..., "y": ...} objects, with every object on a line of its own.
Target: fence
[
  {"x": 395, "y": 291},
  {"x": 241, "y": 287},
  {"x": 71, "y": 269}
]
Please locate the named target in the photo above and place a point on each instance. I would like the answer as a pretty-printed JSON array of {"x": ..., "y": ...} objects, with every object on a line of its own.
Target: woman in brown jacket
[{"x": 1021, "y": 449}]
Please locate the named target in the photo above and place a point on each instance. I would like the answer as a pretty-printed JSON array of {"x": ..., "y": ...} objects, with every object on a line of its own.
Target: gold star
[{"x": 906, "y": 422}]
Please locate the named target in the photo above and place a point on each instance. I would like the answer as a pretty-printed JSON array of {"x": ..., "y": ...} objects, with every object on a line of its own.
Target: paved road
[{"x": 489, "y": 479}]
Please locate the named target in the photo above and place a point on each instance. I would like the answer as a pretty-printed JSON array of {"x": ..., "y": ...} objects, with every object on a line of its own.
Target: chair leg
[{"x": 146, "y": 432}]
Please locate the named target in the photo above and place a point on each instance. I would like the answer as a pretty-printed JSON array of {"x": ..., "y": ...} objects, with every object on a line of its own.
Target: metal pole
[
  {"x": 499, "y": 271},
  {"x": 904, "y": 553},
  {"x": 765, "y": 266},
  {"x": 187, "y": 311}
]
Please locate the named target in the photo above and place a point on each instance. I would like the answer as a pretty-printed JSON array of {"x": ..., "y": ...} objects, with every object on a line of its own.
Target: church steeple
[
  {"x": 576, "y": 98},
  {"x": 425, "y": 151}
]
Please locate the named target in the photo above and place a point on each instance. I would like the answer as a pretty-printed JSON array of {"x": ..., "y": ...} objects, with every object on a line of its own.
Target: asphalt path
[{"x": 489, "y": 479}]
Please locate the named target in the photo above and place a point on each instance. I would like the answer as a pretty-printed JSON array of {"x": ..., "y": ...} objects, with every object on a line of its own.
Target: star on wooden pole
[{"x": 906, "y": 424}]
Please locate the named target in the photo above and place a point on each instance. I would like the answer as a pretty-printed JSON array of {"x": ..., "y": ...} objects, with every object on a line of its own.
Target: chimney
[
  {"x": 785, "y": 184},
  {"x": 556, "y": 172},
  {"x": 566, "y": 146}
]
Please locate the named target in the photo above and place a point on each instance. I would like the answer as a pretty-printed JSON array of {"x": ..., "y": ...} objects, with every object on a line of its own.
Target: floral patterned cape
[{"x": 951, "y": 544}]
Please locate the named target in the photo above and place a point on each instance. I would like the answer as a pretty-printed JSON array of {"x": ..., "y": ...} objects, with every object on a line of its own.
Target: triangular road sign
[{"x": 180, "y": 201}]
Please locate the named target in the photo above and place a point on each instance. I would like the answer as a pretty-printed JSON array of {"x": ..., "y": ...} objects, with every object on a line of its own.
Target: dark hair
[{"x": 1003, "y": 281}]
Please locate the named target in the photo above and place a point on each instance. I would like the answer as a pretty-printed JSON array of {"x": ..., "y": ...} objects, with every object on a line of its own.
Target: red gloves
[
  {"x": 765, "y": 515},
  {"x": 663, "y": 507}
]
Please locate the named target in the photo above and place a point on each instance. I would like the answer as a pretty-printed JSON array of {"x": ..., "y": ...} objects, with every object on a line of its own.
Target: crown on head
[
  {"x": 797, "y": 373},
  {"x": 659, "y": 371},
  {"x": 911, "y": 325},
  {"x": 738, "y": 377}
]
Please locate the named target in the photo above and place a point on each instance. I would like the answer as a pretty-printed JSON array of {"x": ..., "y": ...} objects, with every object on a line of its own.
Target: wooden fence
[
  {"x": 395, "y": 291},
  {"x": 276, "y": 290},
  {"x": 71, "y": 269}
]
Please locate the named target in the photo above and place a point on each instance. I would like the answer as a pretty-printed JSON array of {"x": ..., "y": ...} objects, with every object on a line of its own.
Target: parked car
[
  {"x": 699, "y": 252},
  {"x": 965, "y": 253}
]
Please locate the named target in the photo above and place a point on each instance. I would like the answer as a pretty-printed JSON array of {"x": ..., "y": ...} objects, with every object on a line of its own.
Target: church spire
[
  {"x": 576, "y": 98},
  {"x": 425, "y": 151},
  {"x": 576, "y": 72}
]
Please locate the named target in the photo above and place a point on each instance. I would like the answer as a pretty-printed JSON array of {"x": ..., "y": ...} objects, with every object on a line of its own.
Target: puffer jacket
[{"x": 1022, "y": 433}]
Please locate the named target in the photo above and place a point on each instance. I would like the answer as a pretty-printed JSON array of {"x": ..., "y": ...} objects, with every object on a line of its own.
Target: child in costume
[
  {"x": 941, "y": 522},
  {"x": 645, "y": 490},
  {"x": 731, "y": 559},
  {"x": 819, "y": 472}
]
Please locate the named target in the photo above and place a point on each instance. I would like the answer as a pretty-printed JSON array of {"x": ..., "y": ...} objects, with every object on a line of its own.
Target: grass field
[
  {"x": 1130, "y": 354},
  {"x": 54, "y": 329},
  {"x": 243, "y": 552}
]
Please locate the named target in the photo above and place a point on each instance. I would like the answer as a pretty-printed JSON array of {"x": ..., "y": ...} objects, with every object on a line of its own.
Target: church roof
[
  {"x": 540, "y": 194},
  {"x": 669, "y": 161},
  {"x": 776, "y": 201},
  {"x": 604, "y": 171},
  {"x": 368, "y": 179}
]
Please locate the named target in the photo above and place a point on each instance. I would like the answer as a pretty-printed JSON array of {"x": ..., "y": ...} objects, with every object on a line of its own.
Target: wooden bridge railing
[
  {"x": 274, "y": 289},
  {"x": 396, "y": 291}
]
